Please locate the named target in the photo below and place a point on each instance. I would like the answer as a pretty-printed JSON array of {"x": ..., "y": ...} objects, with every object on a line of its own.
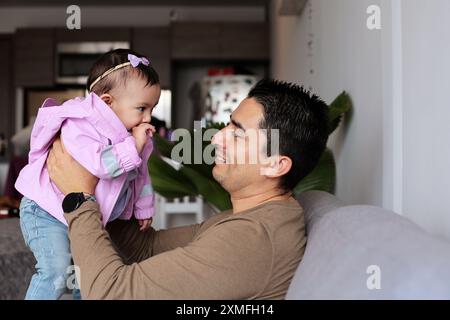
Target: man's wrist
[
  {"x": 74, "y": 200},
  {"x": 89, "y": 196}
]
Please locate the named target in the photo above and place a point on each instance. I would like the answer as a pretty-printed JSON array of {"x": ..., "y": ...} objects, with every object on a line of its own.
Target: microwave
[{"x": 75, "y": 59}]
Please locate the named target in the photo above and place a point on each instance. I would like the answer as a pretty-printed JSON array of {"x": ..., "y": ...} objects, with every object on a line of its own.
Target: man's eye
[{"x": 141, "y": 109}]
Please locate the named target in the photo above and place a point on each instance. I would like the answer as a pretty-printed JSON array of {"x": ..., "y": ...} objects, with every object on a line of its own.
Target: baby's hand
[
  {"x": 141, "y": 133},
  {"x": 145, "y": 224}
]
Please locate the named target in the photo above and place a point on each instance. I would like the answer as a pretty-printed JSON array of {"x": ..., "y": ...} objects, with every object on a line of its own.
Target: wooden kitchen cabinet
[
  {"x": 89, "y": 34},
  {"x": 35, "y": 50},
  {"x": 195, "y": 40},
  {"x": 154, "y": 43},
  {"x": 245, "y": 41},
  {"x": 34, "y": 57},
  {"x": 220, "y": 41}
]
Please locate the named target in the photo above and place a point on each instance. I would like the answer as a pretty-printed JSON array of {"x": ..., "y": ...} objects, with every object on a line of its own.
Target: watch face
[{"x": 72, "y": 201}]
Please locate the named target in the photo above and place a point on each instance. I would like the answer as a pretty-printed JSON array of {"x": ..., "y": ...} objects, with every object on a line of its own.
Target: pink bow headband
[
  {"x": 132, "y": 60},
  {"x": 136, "y": 60}
]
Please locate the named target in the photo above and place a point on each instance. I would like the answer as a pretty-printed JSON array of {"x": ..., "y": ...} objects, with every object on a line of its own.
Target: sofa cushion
[
  {"x": 316, "y": 204},
  {"x": 349, "y": 246}
]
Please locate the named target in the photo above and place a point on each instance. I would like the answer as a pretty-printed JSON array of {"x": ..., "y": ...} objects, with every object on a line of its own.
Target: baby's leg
[{"x": 47, "y": 238}]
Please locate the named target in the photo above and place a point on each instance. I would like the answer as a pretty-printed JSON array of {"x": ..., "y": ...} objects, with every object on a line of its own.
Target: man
[{"x": 249, "y": 252}]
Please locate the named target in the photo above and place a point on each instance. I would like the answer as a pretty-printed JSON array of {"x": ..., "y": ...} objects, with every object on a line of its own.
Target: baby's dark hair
[{"x": 119, "y": 77}]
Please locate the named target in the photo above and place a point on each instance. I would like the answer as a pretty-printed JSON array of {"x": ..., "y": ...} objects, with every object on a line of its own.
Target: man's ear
[
  {"x": 277, "y": 166},
  {"x": 107, "y": 98}
]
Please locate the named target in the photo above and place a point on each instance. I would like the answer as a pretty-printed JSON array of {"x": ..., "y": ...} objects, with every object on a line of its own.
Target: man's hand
[
  {"x": 68, "y": 175},
  {"x": 141, "y": 134}
]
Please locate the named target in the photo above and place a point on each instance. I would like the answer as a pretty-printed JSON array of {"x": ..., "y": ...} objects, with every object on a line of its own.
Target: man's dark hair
[{"x": 302, "y": 120}]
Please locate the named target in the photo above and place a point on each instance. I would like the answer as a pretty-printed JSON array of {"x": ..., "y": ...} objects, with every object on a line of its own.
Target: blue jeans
[{"x": 47, "y": 237}]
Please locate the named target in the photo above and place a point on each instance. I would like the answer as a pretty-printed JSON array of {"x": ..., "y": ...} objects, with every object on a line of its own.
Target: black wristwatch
[{"x": 74, "y": 200}]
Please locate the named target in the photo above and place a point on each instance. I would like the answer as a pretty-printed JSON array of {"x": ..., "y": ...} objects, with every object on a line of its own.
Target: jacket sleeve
[
  {"x": 144, "y": 205},
  {"x": 43, "y": 131},
  {"x": 105, "y": 161}
]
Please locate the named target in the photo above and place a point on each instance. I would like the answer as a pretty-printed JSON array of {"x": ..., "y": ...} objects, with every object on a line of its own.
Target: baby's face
[{"x": 134, "y": 103}]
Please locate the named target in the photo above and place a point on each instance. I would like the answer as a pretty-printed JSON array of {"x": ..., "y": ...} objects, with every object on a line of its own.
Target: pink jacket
[{"x": 97, "y": 139}]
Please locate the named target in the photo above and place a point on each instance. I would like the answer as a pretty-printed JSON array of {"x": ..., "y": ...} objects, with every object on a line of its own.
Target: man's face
[{"x": 238, "y": 147}]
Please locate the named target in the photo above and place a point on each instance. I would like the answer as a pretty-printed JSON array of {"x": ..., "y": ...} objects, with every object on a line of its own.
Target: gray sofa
[
  {"x": 343, "y": 241},
  {"x": 365, "y": 252}
]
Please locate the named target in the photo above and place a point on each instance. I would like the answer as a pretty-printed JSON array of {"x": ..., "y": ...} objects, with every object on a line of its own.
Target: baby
[{"x": 109, "y": 133}]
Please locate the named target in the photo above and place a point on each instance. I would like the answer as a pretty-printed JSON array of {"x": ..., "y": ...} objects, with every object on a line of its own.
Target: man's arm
[
  {"x": 136, "y": 246},
  {"x": 232, "y": 262},
  {"x": 70, "y": 176}
]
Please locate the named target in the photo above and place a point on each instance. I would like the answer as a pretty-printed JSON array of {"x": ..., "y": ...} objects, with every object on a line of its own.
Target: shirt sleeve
[
  {"x": 102, "y": 160},
  {"x": 230, "y": 260},
  {"x": 144, "y": 205},
  {"x": 136, "y": 246}
]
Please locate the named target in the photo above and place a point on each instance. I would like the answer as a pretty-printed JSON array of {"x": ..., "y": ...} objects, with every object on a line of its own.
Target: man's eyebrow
[{"x": 236, "y": 123}]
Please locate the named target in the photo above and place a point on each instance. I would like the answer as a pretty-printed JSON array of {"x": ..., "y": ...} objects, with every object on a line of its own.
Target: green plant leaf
[
  {"x": 197, "y": 178},
  {"x": 164, "y": 146},
  {"x": 167, "y": 181},
  {"x": 341, "y": 105},
  {"x": 321, "y": 178},
  {"x": 210, "y": 189}
]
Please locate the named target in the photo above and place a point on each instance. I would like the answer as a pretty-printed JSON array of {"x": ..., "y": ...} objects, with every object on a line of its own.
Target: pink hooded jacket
[{"x": 96, "y": 138}]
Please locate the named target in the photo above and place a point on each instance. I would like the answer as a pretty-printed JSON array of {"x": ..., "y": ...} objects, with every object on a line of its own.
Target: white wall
[
  {"x": 345, "y": 56},
  {"x": 394, "y": 150},
  {"x": 426, "y": 111},
  {"x": 14, "y": 17}
]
